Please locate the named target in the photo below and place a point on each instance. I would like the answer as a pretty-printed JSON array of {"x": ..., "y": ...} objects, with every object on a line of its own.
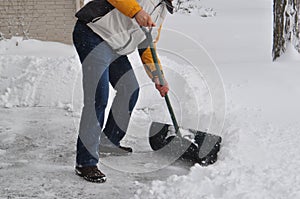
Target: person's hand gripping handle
[{"x": 144, "y": 19}]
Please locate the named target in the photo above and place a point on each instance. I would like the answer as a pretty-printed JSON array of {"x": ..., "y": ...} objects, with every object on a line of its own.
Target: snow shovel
[{"x": 198, "y": 147}]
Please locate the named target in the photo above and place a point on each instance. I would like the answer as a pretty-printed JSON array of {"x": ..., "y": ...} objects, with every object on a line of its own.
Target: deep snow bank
[{"x": 35, "y": 73}]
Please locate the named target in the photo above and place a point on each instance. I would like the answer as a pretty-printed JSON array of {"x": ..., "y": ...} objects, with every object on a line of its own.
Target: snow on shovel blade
[{"x": 192, "y": 145}]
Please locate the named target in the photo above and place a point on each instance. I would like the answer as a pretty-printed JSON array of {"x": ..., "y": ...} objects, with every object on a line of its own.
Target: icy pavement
[{"x": 37, "y": 153}]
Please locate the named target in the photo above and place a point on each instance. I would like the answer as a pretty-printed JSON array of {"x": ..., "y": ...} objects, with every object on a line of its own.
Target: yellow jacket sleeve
[
  {"x": 147, "y": 59},
  {"x": 127, "y": 7}
]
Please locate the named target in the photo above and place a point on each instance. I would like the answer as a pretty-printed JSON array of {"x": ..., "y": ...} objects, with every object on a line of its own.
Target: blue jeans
[{"x": 101, "y": 66}]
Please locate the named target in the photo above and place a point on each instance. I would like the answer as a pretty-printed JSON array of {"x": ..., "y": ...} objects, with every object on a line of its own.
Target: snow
[
  {"x": 290, "y": 54},
  {"x": 31, "y": 69},
  {"x": 41, "y": 100}
]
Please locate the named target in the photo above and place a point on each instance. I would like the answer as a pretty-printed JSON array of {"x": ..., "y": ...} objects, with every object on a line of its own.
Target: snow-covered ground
[{"x": 41, "y": 97}]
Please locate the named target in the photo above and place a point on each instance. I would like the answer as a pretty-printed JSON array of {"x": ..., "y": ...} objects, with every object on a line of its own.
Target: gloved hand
[
  {"x": 163, "y": 90},
  {"x": 144, "y": 19}
]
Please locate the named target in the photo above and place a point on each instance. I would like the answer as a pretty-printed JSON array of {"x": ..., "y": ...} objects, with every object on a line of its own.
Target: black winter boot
[{"x": 91, "y": 174}]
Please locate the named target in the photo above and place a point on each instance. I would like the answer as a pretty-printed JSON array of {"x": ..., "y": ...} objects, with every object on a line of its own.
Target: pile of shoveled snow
[{"x": 35, "y": 73}]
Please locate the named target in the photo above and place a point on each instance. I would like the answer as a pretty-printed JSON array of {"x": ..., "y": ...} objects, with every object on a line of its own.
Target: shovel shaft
[
  {"x": 172, "y": 114},
  {"x": 161, "y": 80}
]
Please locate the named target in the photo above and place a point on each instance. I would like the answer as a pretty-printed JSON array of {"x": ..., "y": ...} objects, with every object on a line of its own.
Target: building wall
[{"x": 38, "y": 19}]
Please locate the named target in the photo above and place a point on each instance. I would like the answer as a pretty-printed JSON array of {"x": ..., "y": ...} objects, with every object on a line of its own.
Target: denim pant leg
[
  {"x": 123, "y": 80},
  {"x": 95, "y": 55}
]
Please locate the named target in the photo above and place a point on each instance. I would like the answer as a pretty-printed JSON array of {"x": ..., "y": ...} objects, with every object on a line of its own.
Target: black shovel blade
[{"x": 203, "y": 149}]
